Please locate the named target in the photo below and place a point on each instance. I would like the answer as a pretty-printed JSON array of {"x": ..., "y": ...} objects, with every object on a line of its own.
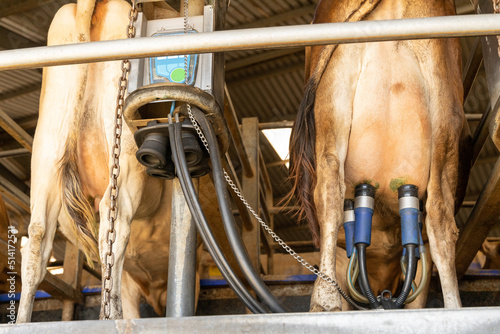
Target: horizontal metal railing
[{"x": 258, "y": 38}]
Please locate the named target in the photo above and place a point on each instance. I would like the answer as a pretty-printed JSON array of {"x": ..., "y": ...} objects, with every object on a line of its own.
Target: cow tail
[
  {"x": 303, "y": 148},
  {"x": 74, "y": 202},
  {"x": 303, "y": 138},
  {"x": 76, "y": 205}
]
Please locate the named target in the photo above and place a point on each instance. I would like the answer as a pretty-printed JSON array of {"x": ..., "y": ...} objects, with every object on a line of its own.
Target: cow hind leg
[
  {"x": 332, "y": 136},
  {"x": 442, "y": 60},
  {"x": 60, "y": 93},
  {"x": 440, "y": 222},
  {"x": 328, "y": 199},
  {"x": 111, "y": 281},
  {"x": 132, "y": 182},
  {"x": 36, "y": 252}
]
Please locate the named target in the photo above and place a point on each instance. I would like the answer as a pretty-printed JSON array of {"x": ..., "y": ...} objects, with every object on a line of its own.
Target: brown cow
[
  {"x": 70, "y": 172},
  {"x": 387, "y": 113}
]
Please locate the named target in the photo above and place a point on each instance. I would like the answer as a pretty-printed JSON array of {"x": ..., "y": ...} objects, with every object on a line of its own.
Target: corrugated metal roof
[{"x": 21, "y": 106}]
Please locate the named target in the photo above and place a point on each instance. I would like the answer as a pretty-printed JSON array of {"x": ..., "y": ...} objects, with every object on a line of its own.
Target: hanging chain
[
  {"x": 115, "y": 169},
  {"x": 186, "y": 64}
]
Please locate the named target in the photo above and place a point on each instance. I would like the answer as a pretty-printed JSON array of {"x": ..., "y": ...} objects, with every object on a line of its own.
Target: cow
[
  {"x": 389, "y": 114},
  {"x": 71, "y": 162}
]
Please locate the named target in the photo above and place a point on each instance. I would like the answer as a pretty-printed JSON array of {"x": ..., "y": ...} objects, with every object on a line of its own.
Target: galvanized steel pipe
[
  {"x": 181, "y": 287},
  {"x": 248, "y": 39}
]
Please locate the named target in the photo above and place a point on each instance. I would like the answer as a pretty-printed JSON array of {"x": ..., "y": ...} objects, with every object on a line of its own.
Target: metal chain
[
  {"x": 115, "y": 169},
  {"x": 186, "y": 65},
  {"x": 276, "y": 238}
]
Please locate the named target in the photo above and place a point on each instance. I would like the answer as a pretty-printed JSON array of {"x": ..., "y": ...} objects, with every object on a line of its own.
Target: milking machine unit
[
  {"x": 152, "y": 78},
  {"x": 162, "y": 98},
  {"x": 357, "y": 226}
]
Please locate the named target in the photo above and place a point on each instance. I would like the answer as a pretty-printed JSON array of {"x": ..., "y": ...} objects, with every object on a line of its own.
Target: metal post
[
  {"x": 182, "y": 258},
  {"x": 72, "y": 275}
]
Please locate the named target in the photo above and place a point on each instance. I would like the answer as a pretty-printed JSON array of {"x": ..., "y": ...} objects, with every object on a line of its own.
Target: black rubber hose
[
  {"x": 232, "y": 232},
  {"x": 205, "y": 230},
  {"x": 410, "y": 274},
  {"x": 203, "y": 226},
  {"x": 363, "y": 276}
]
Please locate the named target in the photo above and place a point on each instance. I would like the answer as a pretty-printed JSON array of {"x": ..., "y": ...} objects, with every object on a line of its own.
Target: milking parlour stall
[{"x": 249, "y": 166}]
